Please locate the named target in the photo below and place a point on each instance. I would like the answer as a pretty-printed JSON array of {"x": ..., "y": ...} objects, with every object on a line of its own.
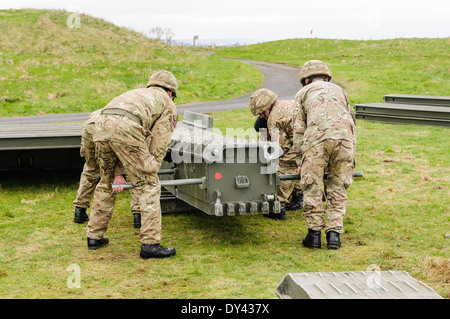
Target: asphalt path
[{"x": 281, "y": 79}]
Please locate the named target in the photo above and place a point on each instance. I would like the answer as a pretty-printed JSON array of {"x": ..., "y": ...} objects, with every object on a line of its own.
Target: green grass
[
  {"x": 397, "y": 217},
  {"x": 366, "y": 69},
  {"x": 397, "y": 213},
  {"x": 48, "y": 68}
]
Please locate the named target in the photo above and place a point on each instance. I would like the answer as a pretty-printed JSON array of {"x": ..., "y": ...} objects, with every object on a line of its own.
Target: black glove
[
  {"x": 260, "y": 123},
  {"x": 168, "y": 157}
]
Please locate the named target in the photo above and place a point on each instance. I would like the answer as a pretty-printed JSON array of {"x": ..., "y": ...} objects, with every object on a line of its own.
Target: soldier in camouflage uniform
[
  {"x": 90, "y": 175},
  {"x": 296, "y": 196},
  {"x": 280, "y": 120},
  {"x": 325, "y": 141},
  {"x": 135, "y": 128}
]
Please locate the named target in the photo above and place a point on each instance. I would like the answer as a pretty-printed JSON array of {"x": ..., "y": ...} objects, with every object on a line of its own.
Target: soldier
[
  {"x": 280, "y": 120},
  {"x": 91, "y": 175},
  {"x": 135, "y": 128},
  {"x": 325, "y": 141}
]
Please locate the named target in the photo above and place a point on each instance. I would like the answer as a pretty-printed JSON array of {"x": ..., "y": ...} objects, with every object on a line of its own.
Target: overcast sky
[{"x": 265, "y": 20}]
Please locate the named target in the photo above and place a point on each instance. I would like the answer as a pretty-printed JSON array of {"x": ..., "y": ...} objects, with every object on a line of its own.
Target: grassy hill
[
  {"x": 47, "y": 67},
  {"x": 366, "y": 69}
]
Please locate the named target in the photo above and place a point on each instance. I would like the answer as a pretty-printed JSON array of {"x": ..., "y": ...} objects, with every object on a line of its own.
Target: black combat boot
[
  {"x": 280, "y": 216},
  {"x": 97, "y": 243},
  {"x": 312, "y": 239},
  {"x": 156, "y": 251},
  {"x": 333, "y": 240},
  {"x": 137, "y": 220},
  {"x": 80, "y": 215},
  {"x": 296, "y": 203}
]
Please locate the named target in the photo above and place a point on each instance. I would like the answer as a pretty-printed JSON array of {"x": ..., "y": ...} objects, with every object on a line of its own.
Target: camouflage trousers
[
  {"x": 289, "y": 188},
  {"x": 90, "y": 176},
  {"x": 91, "y": 172},
  {"x": 147, "y": 190},
  {"x": 336, "y": 158}
]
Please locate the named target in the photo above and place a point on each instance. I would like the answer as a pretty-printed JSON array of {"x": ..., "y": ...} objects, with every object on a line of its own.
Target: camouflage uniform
[
  {"x": 135, "y": 128},
  {"x": 281, "y": 128},
  {"x": 90, "y": 175},
  {"x": 325, "y": 140}
]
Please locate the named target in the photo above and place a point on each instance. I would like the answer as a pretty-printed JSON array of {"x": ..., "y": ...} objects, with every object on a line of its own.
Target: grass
[
  {"x": 397, "y": 217},
  {"x": 366, "y": 69},
  {"x": 49, "y": 68},
  {"x": 397, "y": 212}
]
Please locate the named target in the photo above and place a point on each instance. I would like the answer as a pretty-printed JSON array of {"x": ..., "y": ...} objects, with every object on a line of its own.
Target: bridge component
[
  {"x": 40, "y": 146},
  {"x": 407, "y": 109},
  {"x": 417, "y": 99},
  {"x": 354, "y": 285},
  {"x": 221, "y": 175}
]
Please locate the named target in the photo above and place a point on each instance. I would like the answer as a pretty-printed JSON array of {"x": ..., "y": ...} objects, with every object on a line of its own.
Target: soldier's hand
[
  {"x": 299, "y": 170},
  {"x": 118, "y": 189},
  {"x": 119, "y": 180}
]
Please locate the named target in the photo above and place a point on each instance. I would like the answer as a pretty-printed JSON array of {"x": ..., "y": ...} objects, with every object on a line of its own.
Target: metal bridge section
[
  {"x": 354, "y": 285},
  {"x": 40, "y": 146},
  {"x": 219, "y": 175},
  {"x": 408, "y": 109}
]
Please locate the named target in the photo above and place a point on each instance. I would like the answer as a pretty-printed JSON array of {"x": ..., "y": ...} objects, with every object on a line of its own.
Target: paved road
[{"x": 281, "y": 79}]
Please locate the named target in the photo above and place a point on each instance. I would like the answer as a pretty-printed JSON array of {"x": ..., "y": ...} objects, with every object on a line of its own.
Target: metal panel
[
  {"x": 354, "y": 285},
  {"x": 232, "y": 186},
  {"x": 219, "y": 175},
  {"x": 40, "y": 136},
  {"x": 402, "y": 120},
  {"x": 405, "y": 110},
  {"x": 417, "y": 99}
]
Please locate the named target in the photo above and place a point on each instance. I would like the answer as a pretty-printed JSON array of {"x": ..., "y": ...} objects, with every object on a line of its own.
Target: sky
[{"x": 264, "y": 20}]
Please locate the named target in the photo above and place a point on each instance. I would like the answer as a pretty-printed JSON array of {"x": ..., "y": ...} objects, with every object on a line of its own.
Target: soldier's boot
[
  {"x": 137, "y": 220},
  {"x": 333, "y": 240},
  {"x": 312, "y": 239},
  {"x": 280, "y": 216},
  {"x": 97, "y": 243},
  {"x": 296, "y": 203},
  {"x": 156, "y": 251},
  {"x": 80, "y": 215}
]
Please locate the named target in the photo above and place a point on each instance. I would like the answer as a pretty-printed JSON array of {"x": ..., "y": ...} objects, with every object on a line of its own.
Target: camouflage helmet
[
  {"x": 314, "y": 67},
  {"x": 164, "y": 79},
  {"x": 261, "y": 101}
]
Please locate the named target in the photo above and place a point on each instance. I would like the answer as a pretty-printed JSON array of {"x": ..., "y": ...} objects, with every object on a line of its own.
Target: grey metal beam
[
  {"x": 417, "y": 99},
  {"x": 405, "y": 110},
  {"x": 392, "y": 119},
  {"x": 40, "y": 136}
]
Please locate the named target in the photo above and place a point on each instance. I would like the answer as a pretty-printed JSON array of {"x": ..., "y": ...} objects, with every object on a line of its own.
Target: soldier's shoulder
[
  {"x": 283, "y": 106},
  {"x": 302, "y": 92}
]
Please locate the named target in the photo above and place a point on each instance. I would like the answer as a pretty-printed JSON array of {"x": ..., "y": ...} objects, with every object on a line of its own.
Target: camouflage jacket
[
  {"x": 153, "y": 108},
  {"x": 323, "y": 112},
  {"x": 280, "y": 126}
]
